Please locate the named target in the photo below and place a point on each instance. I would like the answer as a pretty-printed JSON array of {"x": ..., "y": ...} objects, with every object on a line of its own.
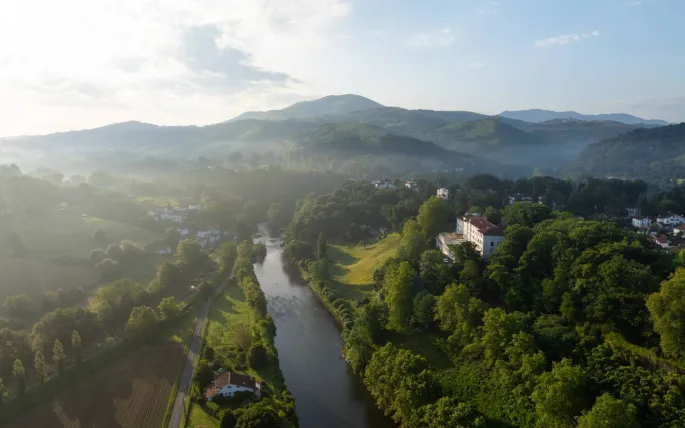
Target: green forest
[{"x": 573, "y": 322}]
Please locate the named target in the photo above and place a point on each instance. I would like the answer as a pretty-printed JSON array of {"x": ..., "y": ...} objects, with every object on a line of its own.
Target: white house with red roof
[
  {"x": 484, "y": 235},
  {"x": 228, "y": 384}
]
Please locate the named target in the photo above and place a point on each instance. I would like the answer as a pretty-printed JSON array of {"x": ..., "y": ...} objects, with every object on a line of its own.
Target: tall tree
[
  {"x": 667, "y": 308},
  {"x": 76, "y": 346},
  {"x": 433, "y": 216},
  {"x": 434, "y": 272},
  {"x": 142, "y": 322},
  {"x": 322, "y": 251},
  {"x": 19, "y": 376},
  {"x": 559, "y": 395},
  {"x": 398, "y": 286},
  {"x": 59, "y": 357},
  {"x": 40, "y": 367},
  {"x": 610, "y": 412}
]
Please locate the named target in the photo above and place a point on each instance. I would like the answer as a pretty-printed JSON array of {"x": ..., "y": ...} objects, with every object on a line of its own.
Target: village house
[
  {"x": 443, "y": 193},
  {"x": 227, "y": 384},
  {"x": 208, "y": 237},
  {"x": 660, "y": 240},
  {"x": 411, "y": 184},
  {"x": 670, "y": 219},
  {"x": 383, "y": 184},
  {"x": 183, "y": 232},
  {"x": 519, "y": 197},
  {"x": 631, "y": 212},
  {"x": 641, "y": 222},
  {"x": 679, "y": 230},
  {"x": 484, "y": 235}
]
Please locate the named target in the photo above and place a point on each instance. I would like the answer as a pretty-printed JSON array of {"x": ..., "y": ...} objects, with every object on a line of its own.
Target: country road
[{"x": 191, "y": 359}]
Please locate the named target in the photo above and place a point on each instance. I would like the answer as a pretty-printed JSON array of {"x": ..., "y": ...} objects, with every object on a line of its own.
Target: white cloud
[
  {"x": 565, "y": 39},
  {"x": 432, "y": 39},
  {"x": 477, "y": 65},
  {"x": 114, "y": 58},
  {"x": 633, "y": 3}
]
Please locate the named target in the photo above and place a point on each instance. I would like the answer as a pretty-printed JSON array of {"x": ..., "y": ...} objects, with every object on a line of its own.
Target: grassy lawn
[
  {"x": 157, "y": 201},
  {"x": 226, "y": 315},
  {"x": 352, "y": 279},
  {"x": 352, "y": 270},
  {"x": 199, "y": 418}
]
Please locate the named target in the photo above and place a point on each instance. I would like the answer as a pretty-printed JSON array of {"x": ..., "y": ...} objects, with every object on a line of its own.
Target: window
[{"x": 492, "y": 243}]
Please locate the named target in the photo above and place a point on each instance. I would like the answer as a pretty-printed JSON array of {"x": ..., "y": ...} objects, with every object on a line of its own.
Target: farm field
[
  {"x": 132, "y": 392},
  {"x": 68, "y": 233},
  {"x": 35, "y": 277}
]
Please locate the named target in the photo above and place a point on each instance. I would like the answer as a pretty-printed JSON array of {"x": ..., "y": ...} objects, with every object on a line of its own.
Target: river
[{"x": 326, "y": 392}]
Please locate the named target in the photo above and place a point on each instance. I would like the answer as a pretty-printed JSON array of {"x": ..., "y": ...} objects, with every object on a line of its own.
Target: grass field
[
  {"x": 68, "y": 233},
  {"x": 35, "y": 277},
  {"x": 132, "y": 392},
  {"x": 353, "y": 265},
  {"x": 156, "y": 201},
  {"x": 199, "y": 418}
]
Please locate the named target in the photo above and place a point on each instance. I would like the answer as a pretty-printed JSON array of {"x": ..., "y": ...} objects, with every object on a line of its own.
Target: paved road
[{"x": 191, "y": 360}]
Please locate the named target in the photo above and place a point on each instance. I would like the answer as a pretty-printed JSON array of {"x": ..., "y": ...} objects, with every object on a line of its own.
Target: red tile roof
[
  {"x": 230, "y": 379},
  {"x": 485, "y": 227}
]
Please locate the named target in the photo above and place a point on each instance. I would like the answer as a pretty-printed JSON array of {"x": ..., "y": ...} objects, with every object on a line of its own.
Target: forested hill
[
  {"x": 330, "y": 105},
  {"x": 653, "y": 154},
  {"x": 537, "y": 115}
]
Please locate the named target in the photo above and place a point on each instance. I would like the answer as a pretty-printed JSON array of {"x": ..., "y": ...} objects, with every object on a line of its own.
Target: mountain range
[
  {"x": 351, "y": 126},
  {"x": 537, "y": 116}
]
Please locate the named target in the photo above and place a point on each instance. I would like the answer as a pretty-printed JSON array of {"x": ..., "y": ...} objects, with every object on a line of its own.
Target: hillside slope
[
  {"x": 326, "y": 106},
  {"x": 657, "y": 153}
]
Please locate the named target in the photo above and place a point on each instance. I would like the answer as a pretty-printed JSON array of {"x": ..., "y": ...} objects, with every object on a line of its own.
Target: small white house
[
  {"x": 383, "y": 184},
  {"x": 631, "y": 211},
  {"x": 183, "y": 232},
  {"x": 660, "y": 240},
  {"x": 641, "y": 222},
  {"x": 679, "y": 230},
  {"x": 164, "y": 250},
  {"x": 670, "y": 219},
  {"x": 443, "y": 193},
  {"x": 411, "y": 184},
  {"x": 519, "y": 197},
  {"x": 227, "y": 384},
  {"x": 174, "y": 217}
]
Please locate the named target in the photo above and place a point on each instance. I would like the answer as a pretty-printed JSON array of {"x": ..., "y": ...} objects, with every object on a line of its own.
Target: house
[
  {"x": 164, "y": 250},
  {"x": 227, "y": 384},
  {"x": 660, "y": 240},
  {"x": 443, "y": 193},
  {"x": 384, "y": 184},
  {"x": 484, "y": 235},
  {"x": 208, "y": 237},
  {"x": 411, "y": 184},
  {"x": 183, "y": 232},
  {"x": 631, "y": 212},
  {"x": 641, "y": 222},
  {"x": 519, "y": 197},
  {"x": 679, "y": 230},
  {"x": 446, "y": 240},
  {"x": 670, "y": 219}
]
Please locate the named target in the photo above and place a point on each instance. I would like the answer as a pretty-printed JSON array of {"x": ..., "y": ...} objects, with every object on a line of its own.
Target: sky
[{"x": 76, "y": 64}]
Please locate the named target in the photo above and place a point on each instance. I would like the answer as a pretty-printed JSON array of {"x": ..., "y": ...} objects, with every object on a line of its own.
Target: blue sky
[{"x": 84, "y": 63}]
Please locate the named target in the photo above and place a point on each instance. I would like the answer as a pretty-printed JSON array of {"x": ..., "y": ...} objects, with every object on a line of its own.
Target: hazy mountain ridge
[
  {"x": 326, "y": 106},
  {"x": 539, "y": 115},
  {"x": 657, "y": 153}
]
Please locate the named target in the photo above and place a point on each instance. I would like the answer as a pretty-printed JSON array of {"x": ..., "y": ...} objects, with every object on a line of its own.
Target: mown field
[
  {"x": 35, "y": 277},
  {"x": 353, "y": 265},
  {"x": 131, "y": 392}
]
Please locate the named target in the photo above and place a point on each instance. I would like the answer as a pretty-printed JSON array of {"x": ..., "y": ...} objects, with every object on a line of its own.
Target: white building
[
  {"x": 443, "y": 193},
  {"x": 446, "y": 240},
  {"x": 631, "y": 212},
  {"x": 384, "y": 184},
  {"x": 519, "y": 197},
  {"x": 670, "y": 219},
  {"x": 641, "y": 222},
  {"x": 679, "y": 229},
  {"x": 660, "y": 240},
  {"x": 183, "y": 232},
  {"x": 178, "y": 217},
  {"x": 164, "y": 250},
  {"x": 411, "y": 184},
  {"x": 228, "y": 384},
  {"x": 208, "y": 237},
  {"x": 484, "y": 235}
]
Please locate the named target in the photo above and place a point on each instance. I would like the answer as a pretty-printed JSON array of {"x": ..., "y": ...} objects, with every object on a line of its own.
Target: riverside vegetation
[{"x": 573, "y": 322}]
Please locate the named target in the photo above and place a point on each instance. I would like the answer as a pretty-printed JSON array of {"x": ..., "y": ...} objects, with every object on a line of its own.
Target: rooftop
[
  {"x": 230, "y": 378},
  {"x": 484, "y": 226}
]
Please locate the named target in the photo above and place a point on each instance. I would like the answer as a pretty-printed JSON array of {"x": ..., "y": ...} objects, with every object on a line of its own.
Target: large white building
[
  {"x": 670, "y": 219},
  {"x": 641, "y": 222},
  {"x": 443, "y": 193},
  {"x": 484, "y": 235}
]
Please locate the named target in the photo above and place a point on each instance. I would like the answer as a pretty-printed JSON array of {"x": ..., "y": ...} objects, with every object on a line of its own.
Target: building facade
[
  {"x": 443, "y": 193},
  {"x": 484, "y": 235},
  {"x": 641, "y": 222}
]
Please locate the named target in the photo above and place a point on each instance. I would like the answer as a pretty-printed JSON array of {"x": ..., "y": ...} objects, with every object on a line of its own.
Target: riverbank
[
  {"x": 325, "y": 390},
  {"x": 240, "y": 337}
]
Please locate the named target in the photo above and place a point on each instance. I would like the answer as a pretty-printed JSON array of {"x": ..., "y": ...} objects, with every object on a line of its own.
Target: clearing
[
  {"x": 131, "y": 392},
  {"x": 352, "y": 271}
]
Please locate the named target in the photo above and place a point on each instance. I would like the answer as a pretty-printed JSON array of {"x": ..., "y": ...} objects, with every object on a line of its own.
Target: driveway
[{"x": 191, "y": 360}]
